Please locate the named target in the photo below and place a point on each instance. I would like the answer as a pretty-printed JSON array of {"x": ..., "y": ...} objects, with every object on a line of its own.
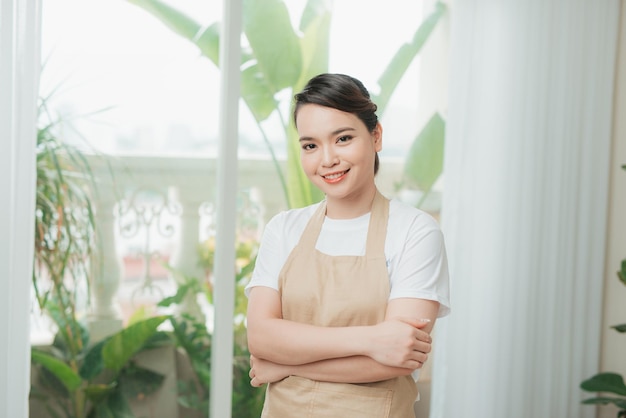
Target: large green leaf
[
  {"x": 313, "y": 10},
  {"x": 300, "y": 191},
  {"x": 619, "y": 402},
  {"x": 621, "y": 274},
  {"x": 113, "y": 406},
  {"x": 396, "y": 69},
  {"x": 424, "y": 162},
  {"x": 620, "y": 327},
  {"x": 209, "y": 42},
  {"x": 206, "y": 38},
  {"x": 72, "y": 336},
  {"x": 256, "y": 90},
  {"x": 137, "y": 382},
  {"x": 274, "y": 43},
  {"x": 92, "y": 364},
  {"x": 98, "y": 392},
  {"x": 605, "y": 382},
  {"x": 315, "y": 41},
  {"x": 127, "y": 342},
  {"x": 58, "y": 368},
  {"x": 257, "y": 93}
]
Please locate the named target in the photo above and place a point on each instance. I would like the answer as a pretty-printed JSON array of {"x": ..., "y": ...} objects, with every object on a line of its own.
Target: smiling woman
[
  {"x": 343, "y": 297},
  {"x": 339, "y": 147}
]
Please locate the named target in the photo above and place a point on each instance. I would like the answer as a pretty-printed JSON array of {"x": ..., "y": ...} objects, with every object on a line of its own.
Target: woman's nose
[{"x": 330, "y": 157}]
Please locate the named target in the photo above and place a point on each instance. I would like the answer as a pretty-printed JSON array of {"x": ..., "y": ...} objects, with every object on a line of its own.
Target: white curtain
[
  {"x": 524, "y": 209},
  {"x": 19, "y": 82}
]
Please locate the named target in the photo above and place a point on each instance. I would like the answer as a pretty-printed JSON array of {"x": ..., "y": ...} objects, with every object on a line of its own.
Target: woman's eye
[
  {"x": 308, "y": 147},
  {"x": 344, "y": 138}
]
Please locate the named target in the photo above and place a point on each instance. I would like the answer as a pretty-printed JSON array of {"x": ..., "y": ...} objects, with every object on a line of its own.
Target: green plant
[
  {"x": 279, "y": 58},
  {"x": 609, "y": 382},
  {"x": 75, "y": 377},
  {"x": 98, "y": 380},
  {"x": 194, "y": 339},
  {"x": 65, "y": 240},
  {"x": 64, "y": 220},
  {"x": 424, "y": 162}
]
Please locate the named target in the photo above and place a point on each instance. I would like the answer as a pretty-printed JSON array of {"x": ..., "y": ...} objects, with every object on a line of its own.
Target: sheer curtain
[
  {"x": 19, "y": 81},
  {"x": 524, "y": 209}
]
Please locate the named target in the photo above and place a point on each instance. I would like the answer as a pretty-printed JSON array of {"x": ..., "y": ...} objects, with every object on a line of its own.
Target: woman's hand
[
  {"x": 399, "y": 342},
  {"x": 263, "y": 371}
]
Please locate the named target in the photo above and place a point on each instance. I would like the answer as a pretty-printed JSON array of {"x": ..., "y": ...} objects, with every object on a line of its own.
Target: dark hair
[{"x": 341, "y": 92}]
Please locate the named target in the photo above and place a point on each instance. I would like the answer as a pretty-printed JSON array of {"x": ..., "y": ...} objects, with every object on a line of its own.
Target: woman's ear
[{"x": 377, "y": 135}]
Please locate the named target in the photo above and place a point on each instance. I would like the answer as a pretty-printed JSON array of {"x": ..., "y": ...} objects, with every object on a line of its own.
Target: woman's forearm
[
  {"x": 396, "y": 342},
  {"x": 291, "y": 343},
  {"x": 355, "y": 369}
]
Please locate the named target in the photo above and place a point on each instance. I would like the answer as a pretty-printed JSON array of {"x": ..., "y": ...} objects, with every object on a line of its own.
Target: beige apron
[{"x": 325, "y": 290}]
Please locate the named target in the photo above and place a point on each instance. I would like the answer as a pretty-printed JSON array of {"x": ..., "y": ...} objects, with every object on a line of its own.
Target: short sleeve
[
  {"x": 270, "y": 257},
  {"x": 421, "y": 268}
]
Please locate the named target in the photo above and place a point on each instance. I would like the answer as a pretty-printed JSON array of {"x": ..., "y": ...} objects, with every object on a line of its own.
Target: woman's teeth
[{"x": 334, "y": 176}]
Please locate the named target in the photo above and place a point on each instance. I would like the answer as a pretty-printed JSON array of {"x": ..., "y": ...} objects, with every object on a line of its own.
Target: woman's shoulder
[
  {"x": 403, "y": 214},
  {"x": 291, "y": 219}
]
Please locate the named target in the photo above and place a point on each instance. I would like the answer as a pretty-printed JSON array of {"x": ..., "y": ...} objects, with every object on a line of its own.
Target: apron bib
[{"x": 337, "y": 291}]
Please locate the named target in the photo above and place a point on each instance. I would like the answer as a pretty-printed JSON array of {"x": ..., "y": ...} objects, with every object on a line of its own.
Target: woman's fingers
[
  {"x": 252, "y": 374},
  {"x": 422, "y": 346},
  {"x": 398, "y": 343}
]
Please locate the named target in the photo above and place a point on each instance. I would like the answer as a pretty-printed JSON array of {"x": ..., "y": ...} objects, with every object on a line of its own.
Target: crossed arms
[{"x": 357, "y": 354}]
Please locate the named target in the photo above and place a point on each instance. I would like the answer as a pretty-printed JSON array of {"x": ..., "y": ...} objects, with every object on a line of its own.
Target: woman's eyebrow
[
  {"x": 341, "y": 130},
  {"x": 333, "y": 133}
]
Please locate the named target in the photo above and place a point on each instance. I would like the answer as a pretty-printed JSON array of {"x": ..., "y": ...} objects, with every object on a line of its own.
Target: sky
[{"x": 134, "y": 87}]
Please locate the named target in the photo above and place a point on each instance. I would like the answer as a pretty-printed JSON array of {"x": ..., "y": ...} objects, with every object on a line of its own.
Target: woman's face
[{"x": 337, "y": 151}]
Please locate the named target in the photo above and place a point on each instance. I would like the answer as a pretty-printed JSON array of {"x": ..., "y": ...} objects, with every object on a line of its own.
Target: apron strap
[
  {"x": 376, "y": 232},
  {"x": 311, "y": 232},
  {"x": 377, "y": 229}
]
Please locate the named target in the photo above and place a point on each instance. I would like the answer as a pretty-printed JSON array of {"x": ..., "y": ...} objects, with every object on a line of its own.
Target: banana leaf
[
  {"x": 424, "y": 162},
  {"x": 70, "y": 379},
  {"x": 315, "y": 41},
  {"x": 605, "y": 382},
  {"x": 405, "y": 55},
  {"x": 126, "y": 343}
]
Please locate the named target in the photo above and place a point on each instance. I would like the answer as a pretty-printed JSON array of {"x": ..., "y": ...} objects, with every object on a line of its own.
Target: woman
[{"x": 345, "y": 292}]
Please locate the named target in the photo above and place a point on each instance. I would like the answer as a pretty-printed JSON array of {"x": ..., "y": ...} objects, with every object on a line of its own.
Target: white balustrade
[
  {"x": 185, "y": 256},
  {"x": 105, "y": 317}
]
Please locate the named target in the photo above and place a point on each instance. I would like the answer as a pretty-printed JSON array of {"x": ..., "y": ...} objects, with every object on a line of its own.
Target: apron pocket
[
  {"x": 298, "y": 397},
  {"x": 351, "y": 401}
]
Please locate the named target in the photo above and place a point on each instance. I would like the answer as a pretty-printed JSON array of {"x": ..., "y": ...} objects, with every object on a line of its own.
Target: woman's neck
[{"x": 350, "y": 207}]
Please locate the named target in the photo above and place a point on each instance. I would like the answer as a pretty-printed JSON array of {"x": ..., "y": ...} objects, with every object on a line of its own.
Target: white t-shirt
[{"x": 414, "y": 249}]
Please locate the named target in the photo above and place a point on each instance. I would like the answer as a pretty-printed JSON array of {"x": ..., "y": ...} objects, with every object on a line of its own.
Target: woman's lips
[{"x": 335, "y": 177}]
